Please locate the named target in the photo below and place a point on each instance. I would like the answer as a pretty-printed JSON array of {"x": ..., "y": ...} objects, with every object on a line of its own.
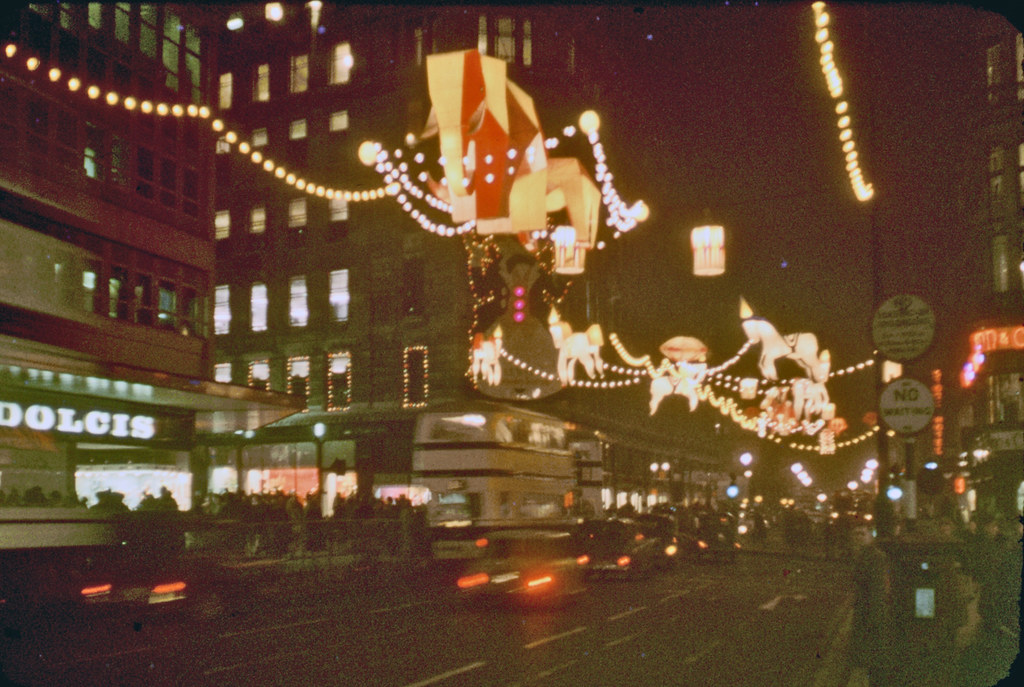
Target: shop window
[
  {"x": 298, "y": 309},
  {"x": 299, "y": 73},
  {"x": 414, "y": 377},
  {"x": 339, "y": 380},
  {"x": 258, "y": 307},
  {"x": 297, "y": 212},
  {"x": 258, "y": 220},
  {"x": 222, "y": 309},
  {"x": 339, "y": 295},
  {"x": 222, "y": 224},
  {"x": 226, "y": 91},
  {"x": 341, "y": 63},
  {"x": 167, "y": 305},
  {"x": 259, "y": 374},
  {"x": 222, "y": 373},
  {"x": 261, "y": 83},
  {"x": 298, "y": 376}
]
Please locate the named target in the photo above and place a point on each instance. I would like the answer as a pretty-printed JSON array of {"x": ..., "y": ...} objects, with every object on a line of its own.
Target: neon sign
[
  {"x": 44, "y": 418},
  {"x": 998, "y": 338}
]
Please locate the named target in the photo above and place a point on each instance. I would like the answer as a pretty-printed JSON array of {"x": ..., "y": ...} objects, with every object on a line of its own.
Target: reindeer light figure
[
  {"x": 682, "y": 371},
  {"x": 577, "y": 347},
  {"x": 801, "y": 348}
]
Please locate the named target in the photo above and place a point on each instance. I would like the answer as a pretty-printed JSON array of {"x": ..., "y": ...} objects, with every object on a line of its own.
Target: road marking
[
  {"x": 552, "y": 638},
  {"x": 621, "y": 640},
  {"x": 551, "y": 671},
  {"x": 271, "y": 628},
  {"x": 620, "y": 616},
  {"x": 770, "y": 605},
  {"x": 693, "y": 658},
  {"x": 402, "y": 607},
  {"x": 674, "y": 596},
  {"x": 451, "y": 673}
]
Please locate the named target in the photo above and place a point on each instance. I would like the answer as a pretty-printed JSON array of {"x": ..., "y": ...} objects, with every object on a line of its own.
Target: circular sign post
[
  {"x": 906, "y": 405},
  {"x": 903, "y": 327}
]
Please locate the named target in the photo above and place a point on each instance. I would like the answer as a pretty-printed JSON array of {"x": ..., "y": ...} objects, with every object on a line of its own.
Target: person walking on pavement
[{"x": 871, "y": 635}]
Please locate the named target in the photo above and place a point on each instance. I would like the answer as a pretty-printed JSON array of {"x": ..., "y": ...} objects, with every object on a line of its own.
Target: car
[
  {"x": 714, "y": 537},
  {"x": 664, "y": 531},
  {"x": 524, "y": 566},
  {"x": 617, "y": 547}
]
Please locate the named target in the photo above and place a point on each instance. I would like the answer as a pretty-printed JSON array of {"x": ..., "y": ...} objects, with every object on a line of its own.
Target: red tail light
[
  {"x": 539, "y": 581},
  {"x": 639, "y": 536},
  {"x": 583, "y": 560},
  {"x": 702, "y": 544},
  {"x": 473, "y": 580},
  {"x": 97, "y": 590},
  {"x": 169, "y": 588},
  {"x": 482, "y": 542},
  {"x": 623, "y": 561}
]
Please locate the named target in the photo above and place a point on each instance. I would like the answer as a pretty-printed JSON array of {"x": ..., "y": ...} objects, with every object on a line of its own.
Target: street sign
[
  {"x": 903, "y": 327},
  {"x": 906, "y": 405}
]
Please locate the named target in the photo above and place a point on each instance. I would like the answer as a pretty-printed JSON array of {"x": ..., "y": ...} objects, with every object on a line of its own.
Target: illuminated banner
[
  {"x": 998, "y": 338},
  {"x": 94, "y": 423}
]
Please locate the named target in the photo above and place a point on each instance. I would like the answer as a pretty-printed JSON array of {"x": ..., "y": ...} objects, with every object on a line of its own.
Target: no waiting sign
[{"x": 906, "y": 405}]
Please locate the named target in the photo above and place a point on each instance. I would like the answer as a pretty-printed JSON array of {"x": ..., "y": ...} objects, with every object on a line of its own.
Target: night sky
[{"x": 726, "y": 108}]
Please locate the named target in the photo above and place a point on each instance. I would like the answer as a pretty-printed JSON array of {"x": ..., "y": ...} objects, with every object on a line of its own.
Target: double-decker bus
[{"x": 490, "y": 466}]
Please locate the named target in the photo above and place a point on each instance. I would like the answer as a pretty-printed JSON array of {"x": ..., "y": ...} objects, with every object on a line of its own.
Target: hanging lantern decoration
[
  {"x": 748, "y": 388},
  {"x": 569, "y": 254},
  {"x": 708, "y": 244}
]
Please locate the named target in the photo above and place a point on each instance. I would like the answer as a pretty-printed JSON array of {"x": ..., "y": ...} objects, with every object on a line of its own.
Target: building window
[
  {"x": 96, "y": 15},
  {"x": 412, "y": 287},
  {"x": 224, "y": 100},
  {"x": 258, "y": 220},
  {"x": 341, "y": 63},
  {"x": 172, "y": 37},
  {"x": 298, "y": 376},
  {"x": 505, "y": 41},
  {"x": 339, "y": 381},
  {"x": 481, "y": 35},
  {"x": 1005, "y": 399},
  {"x": 90, "y": 294},
  {"x": 259, "y": 374},
  {"x": 258, "y": 307},
  {"x": 297, "y": 212},
  {"x": 414, "y": 376},
  {"x": 299, "y": 73},
  {"x": 298, "y": 309},
  {"x": 222, "y": 224},
  {"x": 418, "y": 41},
  {"x": 261, "y": 83},
  {"x": 191, "y": 313},
  {"x": 995, "y": 161},
  {"x": 147, "y": 30},
  {"x": 222, "y": 373},
  {"x": 1020, "y": 66},
  {"x": 995, "y": 194},
  {"x": 167, "y": 305},
  {"x": 144, "y": 307},
  {"x": 297, "y": 129},
  {"x": 1001, "y": 263},
  {"x": 339, "y": 121},
  {"x": 222, "y": 309},
  {"x": 339, "y": 209},
  {"x": 121, "y": 21},
  {"x": 120, "y": 305},
  {"x": 339, "y": 295},
  {"x": 527, "y": 44},
  {"x": 259, "y": 138}
]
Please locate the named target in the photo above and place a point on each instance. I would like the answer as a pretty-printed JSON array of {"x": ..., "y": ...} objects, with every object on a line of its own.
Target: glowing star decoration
[
  {"x": 496, "y": 169},
  {"x": 682, "y": 371},
  {"x": 801, "y": 348}
]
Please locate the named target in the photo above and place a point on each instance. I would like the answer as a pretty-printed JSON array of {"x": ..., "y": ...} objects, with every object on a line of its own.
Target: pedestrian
[{"x": 871, "y": 636}]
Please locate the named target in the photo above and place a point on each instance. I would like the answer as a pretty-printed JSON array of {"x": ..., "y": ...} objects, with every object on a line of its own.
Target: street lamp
[
  {"x": 319, "y": 430},
  {"x": 746, "y": 459}
]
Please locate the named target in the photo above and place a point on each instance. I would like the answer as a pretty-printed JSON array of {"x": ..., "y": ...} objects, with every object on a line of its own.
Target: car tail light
[
  {"x": 473, "y": 580},
  {"x": 169, "y": 588},
  {"x": 171, "y": 591},
  {"x": 702, "y": 544},
  {"x": 97, "y": 590},
  {"x": 539, "y": 581},
  {"x": 623, "y": 561},
  {"x": 583, "y": 560},
  {"x": 482, "y": 542}
]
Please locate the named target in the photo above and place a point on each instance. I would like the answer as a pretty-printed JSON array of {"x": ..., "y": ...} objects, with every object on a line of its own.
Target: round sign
[
  {"x": 906, "y": 405},
  {"x": 903, "y": 327}
]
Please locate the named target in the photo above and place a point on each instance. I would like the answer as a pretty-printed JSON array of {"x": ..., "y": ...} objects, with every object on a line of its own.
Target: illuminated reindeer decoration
[
  {"x": 801, "y": 348},
  {"x": 576, "y": 347}
]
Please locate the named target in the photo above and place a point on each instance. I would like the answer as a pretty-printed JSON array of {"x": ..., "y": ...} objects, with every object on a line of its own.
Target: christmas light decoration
[{"x": 407, "y": 380}]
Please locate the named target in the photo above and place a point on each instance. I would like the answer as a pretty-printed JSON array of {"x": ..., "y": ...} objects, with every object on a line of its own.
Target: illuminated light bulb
[
  {"x": 204, "y": 112},
  {"x": 244, "y": 148},
  {"x": 852, "y": 155},
  {"x": 364, "y": 195},
  {"x": 300, "y": 184},
  {"x": 32, "y": 63},
  {"x": 848, "y": 146},
  {"x": 320, "y": 191},
  {"x": 93, "y": 92},
  {"x": 850, "y": 166},
  {"x": 844, "y": 122},
  {"x": 845, "y": 135},
  {"x": 217, "y": 125},
  {"x": 231, "y": 137},
  {"x": 368, "y": 152},
  {"x": 146, "y": 106},
  {"x": 268, "y": 165},
  {"x": 162, "y": 109},
  {"x": 257, "y": 156},
  {"x": 74, "y": 84},
  {"x": 822, "y": 19},
  {"x": 827, "y": 47},
  {"x": 112, "y": 98},
  {"x": 842, "y": 106},
  {"x": 290, "y": 179},
  {"x": 821, "y": 36},
  {"x": 279, "y": 172},
  {"x": 130, "y": 103},
  {"x": 177, "y": 110},
  {"x": 11, "y": 50},
  {"x": 193, "y": 111},
  {"x": 54, "y": 74}
]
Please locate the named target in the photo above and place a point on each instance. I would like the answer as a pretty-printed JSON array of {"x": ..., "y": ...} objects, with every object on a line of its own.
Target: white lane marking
[
  {"x": 271, "y": 628},
  {"x": 255, "y": 659},
  {"x": 402, "y": 607},
  {"x": 562, "y": 666},
  {"x": 693, "y": 658},
  {"x": 451, "y": 673},
  {"x": 770, "y": 605},
  {"x": 619, "y": 616},
  {"x": 621, "y": 640},
  {"x": 674, "y": 596},
  {"x": 552, "y": 638}
]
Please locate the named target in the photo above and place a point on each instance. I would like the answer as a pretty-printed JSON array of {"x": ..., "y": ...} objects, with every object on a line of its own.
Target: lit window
[
  {"x": 299, "y": 73},
  {"x": 223, "y": 147},
  {"x": 120, "y": 294},
  {"x": 261, "y": 83},
  {"x": 167, "y": 305},
  {"x": 297, "y": 129},
  {"x": 481, "y": 37},
  {"x": 993, "y": 65},
  {"x": 341, "y": 63},
  {"x": 90, "y": 277},
  {"x": 224, "y": 100},
  {"x": 527, "y": 44},
  {"x": 121, "y": 21},
  {"x": 339, "y": 381},
  {"x": 418, "y": 38},
  {"x": 339, "y": 295},
  {"x": 297, "y": 212},
  {"x": 339, "y": 209},
  {"x": 258, "y": 307},
  {"x": 415, "y": 376},
  {"x": 995, "y": 161},
  {"x": 222, "y": 309},
  {"x": 1001, "y": 263},
  {"x": 258, "y": 220},
  {"x": 222, "y": 373},
  {"x": 298, "y": 376},
  {"x": 222, "y": 224},
  {"x": 505, "y": 41},
  {"x": 259, "y": 138},
  {"x": 298, "y": 309},
  {"x": 339, "y": 120},
  {"x": 259, "y": 374},
  {"x": 96, "y": 15}
]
